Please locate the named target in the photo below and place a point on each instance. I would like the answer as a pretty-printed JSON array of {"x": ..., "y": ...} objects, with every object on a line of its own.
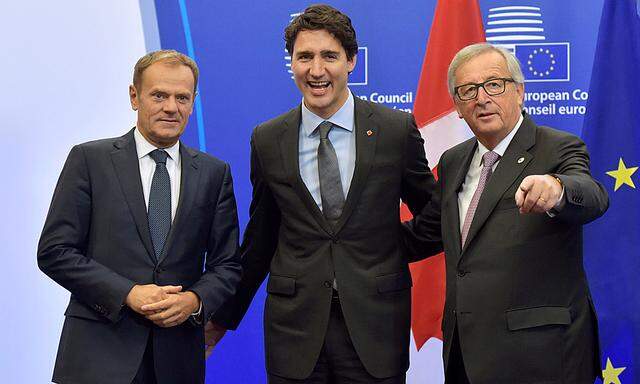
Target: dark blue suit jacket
[{"x": 96, "y": 244}]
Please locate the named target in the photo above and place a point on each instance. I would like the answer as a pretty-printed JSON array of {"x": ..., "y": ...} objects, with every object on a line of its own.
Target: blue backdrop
[
  {"x": 240, "y": 50},
  {"x": 239, "y": 47}
]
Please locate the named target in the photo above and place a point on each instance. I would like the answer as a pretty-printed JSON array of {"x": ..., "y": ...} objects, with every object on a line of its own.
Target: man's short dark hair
[{"x": 321, "y": 16}]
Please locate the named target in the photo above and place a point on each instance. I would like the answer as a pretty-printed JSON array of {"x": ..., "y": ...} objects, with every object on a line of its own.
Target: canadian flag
[{"x": 456, "y": 24}]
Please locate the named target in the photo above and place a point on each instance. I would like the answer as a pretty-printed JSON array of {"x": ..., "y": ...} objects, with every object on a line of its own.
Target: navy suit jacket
[{"x": 96, "y": 244}]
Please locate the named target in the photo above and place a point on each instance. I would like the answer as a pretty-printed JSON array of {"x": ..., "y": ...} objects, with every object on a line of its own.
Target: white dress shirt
[
  {"x": 475, "y": 168},
  {"x": 148, "y": 167}
]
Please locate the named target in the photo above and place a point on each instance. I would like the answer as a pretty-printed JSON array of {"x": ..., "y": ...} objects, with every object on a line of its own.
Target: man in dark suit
[
  {"x": 132, "y": 222},
  {"x": 514, "y": 199},
  {"x": 327, "y": 180}
]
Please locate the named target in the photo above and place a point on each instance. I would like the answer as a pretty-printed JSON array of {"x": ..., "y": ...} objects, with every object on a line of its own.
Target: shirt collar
[
  {"x": 502, "y": 146},
  {"x": 143, "y": 147},
  {"x": 343, "y": 118}
]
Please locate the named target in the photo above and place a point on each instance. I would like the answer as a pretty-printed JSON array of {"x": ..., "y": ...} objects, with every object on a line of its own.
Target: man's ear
[
  {"x": 520, "y": 93},
  {"x": 351, "y": 63},
  {"x": 193, "y": 102},
  {"x": 457, "y": 109},
  {"x": 133, "y": 97}
]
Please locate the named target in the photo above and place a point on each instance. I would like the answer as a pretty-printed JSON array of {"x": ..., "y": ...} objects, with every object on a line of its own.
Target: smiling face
[
  {"x": 491, "y": 118},
  {"x": 321, "y": 70},
  {"x": 164, "y": 102}
]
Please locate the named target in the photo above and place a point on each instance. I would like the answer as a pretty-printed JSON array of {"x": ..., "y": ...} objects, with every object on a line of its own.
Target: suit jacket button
[
  {"x": 462, "y": 273},
  {"x": 327, "y": 284}
]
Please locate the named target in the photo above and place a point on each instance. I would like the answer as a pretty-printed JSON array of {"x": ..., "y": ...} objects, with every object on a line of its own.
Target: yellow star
[
  {"x": 610, "y": 374},
  {"x": 622, "y": 175}
]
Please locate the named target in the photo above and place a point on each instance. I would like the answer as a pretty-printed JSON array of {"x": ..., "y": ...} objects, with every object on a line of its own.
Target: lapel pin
[
  {"x": 521, "y": 160},
  {"x": 369, "y": 132}
]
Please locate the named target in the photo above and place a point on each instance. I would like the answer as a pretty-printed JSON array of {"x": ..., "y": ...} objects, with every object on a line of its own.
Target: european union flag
[
  {"x": 612, "y": 244},
  {"x": 544, "y": 61}
]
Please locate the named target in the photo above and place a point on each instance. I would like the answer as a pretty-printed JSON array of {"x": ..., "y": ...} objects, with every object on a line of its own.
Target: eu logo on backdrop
[
  {"x": 544, "y": 61},
  {"x": 520, "y": 29}
]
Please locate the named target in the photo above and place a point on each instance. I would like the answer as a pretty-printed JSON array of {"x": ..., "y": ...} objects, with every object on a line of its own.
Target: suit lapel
[
  {"x": 511, "y": 165},
  {"x": 366, "y": 137},
  {"x": 460, "y": 167},
  {"x": 290, "y": 159},
  {"x": 189, "y": 180},
  {"x": 125, "y": 161}
]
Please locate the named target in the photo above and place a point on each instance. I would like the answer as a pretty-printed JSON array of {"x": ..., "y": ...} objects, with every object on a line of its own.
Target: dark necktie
[
  {"x": 329, "y": 172},
  {"x": 488, "y": 160},
  {"x": 159, "y": 212}
]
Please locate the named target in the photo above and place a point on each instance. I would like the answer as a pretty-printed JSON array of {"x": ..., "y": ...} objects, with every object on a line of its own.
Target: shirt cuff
[
  {"x": 197, "y": 315},
  {"x": 199, "y": 311},
  {"x": 559, "y": 205}
]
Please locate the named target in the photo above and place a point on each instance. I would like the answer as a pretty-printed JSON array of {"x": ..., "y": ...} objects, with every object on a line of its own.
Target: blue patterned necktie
[
  {"x": 159, "y": 212},
  {"x": 329, "y": 173}
]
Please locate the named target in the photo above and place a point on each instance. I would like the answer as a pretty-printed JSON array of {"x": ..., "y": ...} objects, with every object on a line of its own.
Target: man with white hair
[{"x": 514, "y": 199}]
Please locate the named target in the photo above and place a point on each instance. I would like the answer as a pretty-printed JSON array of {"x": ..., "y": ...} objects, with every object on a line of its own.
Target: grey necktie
[
  {"x": 329, "y": 172},
  {"x": 488, "y": 160},
  {"x": 159, "y": 212}
]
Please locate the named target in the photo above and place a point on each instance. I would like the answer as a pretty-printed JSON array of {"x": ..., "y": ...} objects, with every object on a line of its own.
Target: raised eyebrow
[
  {"x": 478, "y": 84},
  {"x": 329, "y": 52},
  {"x": 303, "y": 53},
  {"x": 467, "y": 84}
]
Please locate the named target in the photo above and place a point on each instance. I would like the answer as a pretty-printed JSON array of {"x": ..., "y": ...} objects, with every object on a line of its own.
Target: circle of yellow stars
[
  {"x": 623, "y": 175},
  {"x": 610, "y": 374},
  {"x": 550, "y": 58}
]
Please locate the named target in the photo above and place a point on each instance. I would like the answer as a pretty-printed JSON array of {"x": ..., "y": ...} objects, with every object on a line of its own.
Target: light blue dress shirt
[{"x": 343, "y": 139}]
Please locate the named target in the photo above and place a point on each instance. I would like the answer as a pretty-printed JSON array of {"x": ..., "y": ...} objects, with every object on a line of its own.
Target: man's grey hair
[{"x": 470, "y": 51}]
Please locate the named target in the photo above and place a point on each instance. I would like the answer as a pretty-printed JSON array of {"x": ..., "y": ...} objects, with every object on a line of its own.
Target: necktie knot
[
  {"x": 489, "y": 159},
  {"x": 159, "y": 156},
  {"x": 324, "y": 129}
]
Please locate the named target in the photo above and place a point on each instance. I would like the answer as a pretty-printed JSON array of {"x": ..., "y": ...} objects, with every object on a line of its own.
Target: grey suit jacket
[{"x": 517, "y": 291}]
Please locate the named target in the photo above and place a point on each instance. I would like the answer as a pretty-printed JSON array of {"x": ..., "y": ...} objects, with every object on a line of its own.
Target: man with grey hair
[
  {"x": 514, "y": 199},
  {"x": 132, "y": 222}
]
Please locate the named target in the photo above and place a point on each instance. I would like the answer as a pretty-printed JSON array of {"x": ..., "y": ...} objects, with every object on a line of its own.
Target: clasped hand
[{"x": 166, "y": 306}]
